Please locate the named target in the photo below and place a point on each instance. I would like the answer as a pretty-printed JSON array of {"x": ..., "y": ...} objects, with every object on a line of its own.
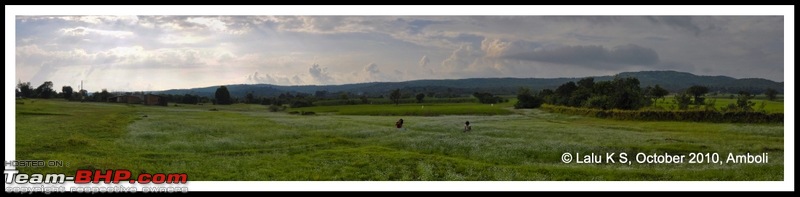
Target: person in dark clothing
[
  {"x": 467, "y": 127},
  {"x": 399, "y": 124}
]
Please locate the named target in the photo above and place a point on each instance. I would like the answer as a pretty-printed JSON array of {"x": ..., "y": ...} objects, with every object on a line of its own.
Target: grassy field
[
  {"x": 246, "y": 142},
  {"x": 769, "y": 106},
  {"x": 418, "y": 109}
]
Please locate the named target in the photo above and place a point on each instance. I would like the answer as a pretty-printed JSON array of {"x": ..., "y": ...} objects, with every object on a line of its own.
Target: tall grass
[
  {"x": 248, "y": 143},
  {"x": 422, "y": 109}
]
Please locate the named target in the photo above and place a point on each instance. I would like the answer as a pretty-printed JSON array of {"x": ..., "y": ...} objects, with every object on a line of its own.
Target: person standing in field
[
  {"x": 467, "y": 127},
  {"x": 399, "y": 124}
]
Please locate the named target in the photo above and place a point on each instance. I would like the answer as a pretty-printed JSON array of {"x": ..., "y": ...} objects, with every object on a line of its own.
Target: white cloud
[
  {"x": 372, "y": 73},
  {"x": 83, "y": 31},
  {"x": 267, "y": 78},
  {"x": 320, "y": 74}
]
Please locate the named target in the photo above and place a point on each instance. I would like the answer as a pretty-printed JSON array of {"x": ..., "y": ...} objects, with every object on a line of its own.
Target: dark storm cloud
[
  {"x": 592, "y": 55},
  {"x": 679, "y": 22}
]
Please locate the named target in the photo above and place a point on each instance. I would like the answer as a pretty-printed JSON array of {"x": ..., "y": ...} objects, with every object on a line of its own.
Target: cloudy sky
[{"x": 124, "y": 53}]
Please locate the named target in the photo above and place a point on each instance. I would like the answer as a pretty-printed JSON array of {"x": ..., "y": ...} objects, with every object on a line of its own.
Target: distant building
[{"x": 151, "y": 99}]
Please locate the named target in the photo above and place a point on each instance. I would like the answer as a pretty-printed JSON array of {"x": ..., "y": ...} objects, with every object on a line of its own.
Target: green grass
[
  {"x": 248, "y": 143},
  {"x": 769, "y": 106},
  {"x": 419, "y": 109}
]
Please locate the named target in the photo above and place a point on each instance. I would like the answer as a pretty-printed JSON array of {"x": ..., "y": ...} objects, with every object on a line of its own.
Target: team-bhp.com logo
[{"x": 96, "y": 176}]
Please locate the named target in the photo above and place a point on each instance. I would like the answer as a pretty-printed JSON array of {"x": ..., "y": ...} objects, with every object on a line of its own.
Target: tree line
[
  {"x": 618, "y": 93},
  {"x": 626, "y": 94}
]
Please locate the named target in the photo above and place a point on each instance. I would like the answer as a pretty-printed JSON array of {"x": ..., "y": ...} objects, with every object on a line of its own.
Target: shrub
[
  {"x": 276, "y": 108},
  {"x": 527, "y": 100}
]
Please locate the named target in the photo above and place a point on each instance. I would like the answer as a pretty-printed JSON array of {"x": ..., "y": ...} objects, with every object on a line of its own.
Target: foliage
[
  {"x": 45, "y": 90},
  {"x": 395, "y": 96},
  {"x": 25, "y": 90},
  {"x": 683, "y": 100},
  {"x": 662, "y": 115},
  {"x": 526, "y": 100},
  {"x": 222, "y": 96},
  {"x": 420, "y": 97},
  {"x": 658, "y": 92},
  {"x": 190, "y": 99},
  {"x": 276, "y": 108},
  {"x": 66, "y": 91},
  {"x": 771, "y": 94},
  {"x": 698, "y": 92},
  {"x": 101, "y": 96},
  {"x": 250, "y": 98},
  {"x": 487, "y": 98},
  {"x": 619, "y": 93},
  {"x": 742, "y": 104},
  {"x": 300, "y": 103}
]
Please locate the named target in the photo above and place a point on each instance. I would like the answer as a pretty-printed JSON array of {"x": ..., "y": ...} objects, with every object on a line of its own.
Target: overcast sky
[{"x": 124, "y": 53}]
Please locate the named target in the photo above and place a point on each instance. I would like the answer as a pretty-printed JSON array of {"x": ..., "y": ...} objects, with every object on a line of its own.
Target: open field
[
  {"x": 417, "y": 109},
  {"x": 248, "y": 143},
  {"x": 769, "y": 106}
]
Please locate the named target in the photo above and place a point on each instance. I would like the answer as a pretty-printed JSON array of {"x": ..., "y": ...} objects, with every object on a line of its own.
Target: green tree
[
  {"x": 250, "y": 98},
  {"x": 83, "y": 95},
  {"x": 683, "y": 100},
  {"x": 486, "y": 98},
  {"x": 564, "y": 92},
  {"x": 648, "y": 95},
  {"x": 103, "y": 96},
  {"x": 657, "y": 92},
  {"x": 222, "y": 96},
  {"x": 526, "y": 100},
  {"x": 599, "y": 102},
  {"x": 772, "y": 94},
  {"x": 420, "y": 97},
  {"x": 45, "y": 90},
  {"x": 626, "y": 93},
  {"x": 587, "y": 83},
  {"x": 743, "y": 102},
  {"x": 25, "y": 89},
  {"x": 190, "y": 99},
  {"x": 698, "y": 92},
  {"x": 395, "y": 96},
  {"x": 548, "y": 96},
  {"x": 67, "y": 92}
]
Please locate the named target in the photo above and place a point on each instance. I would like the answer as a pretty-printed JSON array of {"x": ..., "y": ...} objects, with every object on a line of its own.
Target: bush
[
  {"x": 308, "y": 113},
  {"x": 276, "y": 108},
  {"x": 527, "y": 100},
  {"x": 301, "y": 103},
  {"x": 598, "y": 102},
  {"x": 683, "y": 100}
]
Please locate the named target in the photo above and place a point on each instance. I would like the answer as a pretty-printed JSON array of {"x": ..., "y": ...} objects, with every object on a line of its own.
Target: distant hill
[{"x": 670, "y": 80}]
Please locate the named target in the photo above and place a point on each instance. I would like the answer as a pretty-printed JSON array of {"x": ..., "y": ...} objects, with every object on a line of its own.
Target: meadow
[
  {"x": 668, "y": 103},
  {"x": 248, "y": 143},
  {"x": 416, "y": 109}
]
